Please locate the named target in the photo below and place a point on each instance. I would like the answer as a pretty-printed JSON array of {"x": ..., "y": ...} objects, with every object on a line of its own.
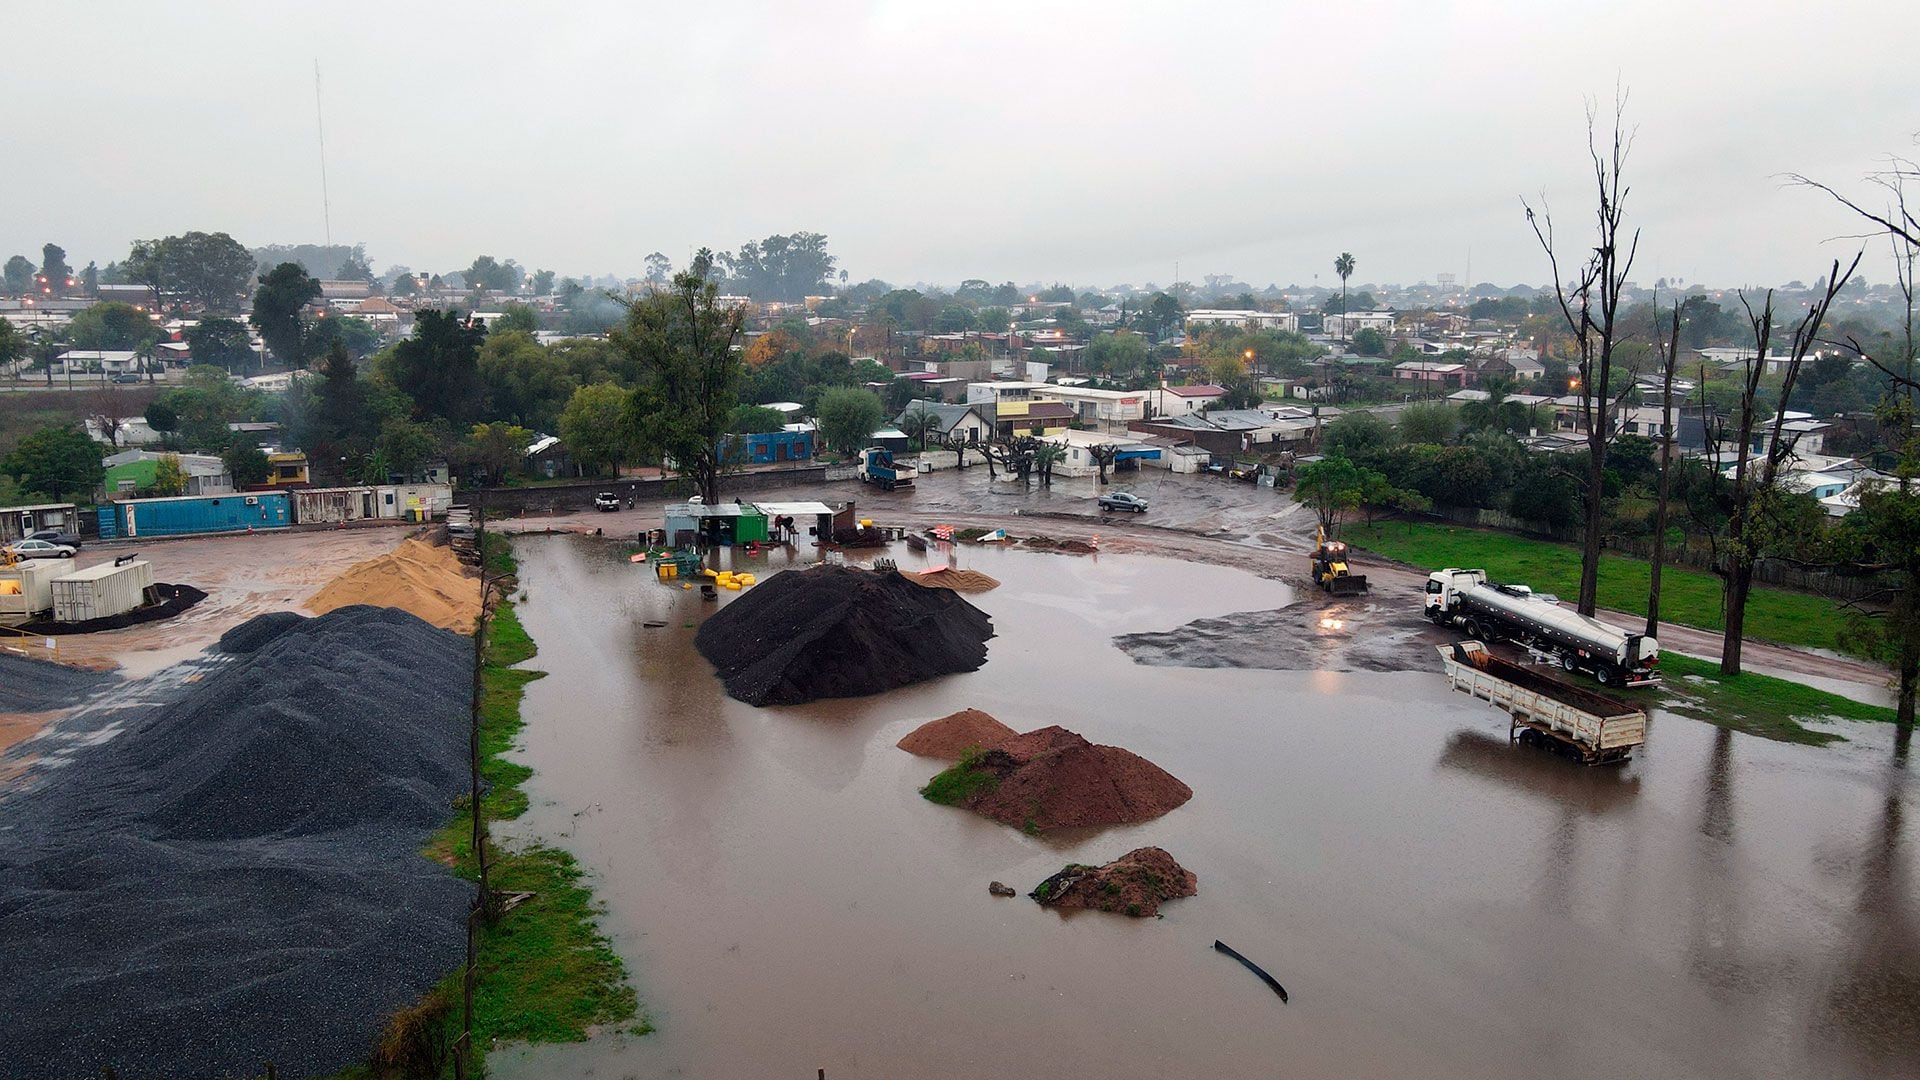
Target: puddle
[{"x": 1436, "y": 901}]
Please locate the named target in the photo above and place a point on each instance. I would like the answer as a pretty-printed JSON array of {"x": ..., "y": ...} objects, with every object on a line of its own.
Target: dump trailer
[
  {"x": 1488, "y": 611},
  {"x": 1543, "y": 710},
  {"x": 878, "y": 467},
  {"x": 1330, "y": 569}
]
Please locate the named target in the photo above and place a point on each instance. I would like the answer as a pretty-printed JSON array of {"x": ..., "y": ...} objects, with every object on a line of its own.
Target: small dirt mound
[
  {"x": 966, "y": 581},
  {"x": 950, "y": 737},
  {"x": 1136, "y": 884},
  {"x": 418, "y": 578},
  {"x": 837, "y": 631},
  {"x": 1053, "y": 778}
]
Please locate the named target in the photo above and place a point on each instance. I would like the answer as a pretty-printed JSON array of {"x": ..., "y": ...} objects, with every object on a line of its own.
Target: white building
[
  {"x": 103, "y": 361},
  {"x": 1182, "y": 400},
  {"x": 1104, "y": 408},
  {"x": 1345, "y": 326},
  {"x": 1241, "y": 317}
]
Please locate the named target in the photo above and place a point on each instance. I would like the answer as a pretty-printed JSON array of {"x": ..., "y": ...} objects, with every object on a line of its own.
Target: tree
[
  {"x": 169, "y": 476},
  {"x": 1757, "y": 502},
  {"x": 1045, "y": 456},
  {"x": 542, "y": 283},
  {"x": 594, "y": 428},
  {"x": 1669, "y": 349},
  {"x": 14, "y": 345},
  {"x": 356, "y": 268},
  {"x": 1368, "y": 342},
  {"x": 681, "y": 341},
  {"x": 208, "y": 269},
  {"x": 487, "y": 274},
  {"x": 438, "y": 368},
  {"x": 112, "y": 325},
  {"x": 284, "y": 293},
  {"x": 111, "y": 411},
  {"x": 848, "y": 417},
  {"x": 919, "y": 422},
  {"x": 222, "y": 343},
  {"x": 659, "y": 268},
  {"x": 494, "y": 448},
  {"x": 57, "y": 462},
  {"x": 1428, "y": 422},
  {"x": 407, "y": 447},
  {"x": 358, "y": 336},
  {"x": 1343, "y": 266},
  {"x": 1332, "y": 486},
  {"x": 247, "y": 464},
  {"x": 1589, "y": 306},
  {"x": 519, "y": 317},
  {"x": 773, "y": 345},
  {"x": 1118, "y": 357},
  {"x": 19, "y": 275},
  {"x": 1357, "y": 434},
  {"x": 523, "y": 383},
  {"x": 755, "y": 420},
  {"x": 56, "y": 276},
  {"x": 788, "y": 267}
]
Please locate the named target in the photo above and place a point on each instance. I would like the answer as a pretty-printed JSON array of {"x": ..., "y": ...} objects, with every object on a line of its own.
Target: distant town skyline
[{"x": 1075, "y": 143}]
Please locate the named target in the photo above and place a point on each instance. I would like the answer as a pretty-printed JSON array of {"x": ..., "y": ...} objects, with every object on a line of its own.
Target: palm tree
[
  {"x": 1045, "y": 456},
  {"x": 1344, "y": 267},
  {"x": 918, "y": 423}
]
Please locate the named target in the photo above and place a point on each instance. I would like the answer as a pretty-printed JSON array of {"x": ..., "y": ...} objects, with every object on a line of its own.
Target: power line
[{"x": 320, "y": 124}]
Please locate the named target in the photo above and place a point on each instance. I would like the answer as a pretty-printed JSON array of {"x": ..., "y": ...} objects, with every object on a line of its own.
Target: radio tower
[{"x": 320, "y": 124}]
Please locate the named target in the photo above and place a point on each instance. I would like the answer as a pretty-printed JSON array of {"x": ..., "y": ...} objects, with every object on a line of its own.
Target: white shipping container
[
  {"x": 27, "y": 589},
  {"x": 101, "y": 592}
]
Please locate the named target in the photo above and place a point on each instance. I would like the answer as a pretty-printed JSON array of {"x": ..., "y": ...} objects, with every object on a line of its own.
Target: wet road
[{"x": 1438, "y": 902}]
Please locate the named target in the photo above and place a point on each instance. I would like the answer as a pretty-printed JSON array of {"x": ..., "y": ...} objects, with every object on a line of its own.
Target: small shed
[
  {"x": 815, "y": 517},
  {"x": 101, "y": 592},
  {"x": 721, "y": 525},
  {"x": 26, "y": 588},
  {"x": 17, "y": 521}
]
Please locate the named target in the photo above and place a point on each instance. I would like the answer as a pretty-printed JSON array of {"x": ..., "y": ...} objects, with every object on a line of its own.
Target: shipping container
[
  {"x": 26, "y": 589},
  {"x": 101, "y": 592},
  {"x": 188, "y": 514}
]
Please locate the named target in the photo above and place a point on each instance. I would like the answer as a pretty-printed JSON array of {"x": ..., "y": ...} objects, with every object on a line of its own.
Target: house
[
  {"x": 287, "y": 468},
  {"x": 133, "y": 470},
  {"x": 1345, "y": 326},
  {"x": 1434, "y": 373},
  {"x": 959, "y": 422},
  {"x": 102, "y": 361},
  {"x": 132, "y": 431},
  {"x": 1249, "y": 320},
  {"x": 1128, "y": 453},
  {"x": 17, "y": 521},
  {"x": 1228, "y": 432},
  {"x": 1021, "y": 408},
  {"x": 1111, "y": 409},
  {"x": 1181, "y": 400},
  {"x": 793, "y": 442}
]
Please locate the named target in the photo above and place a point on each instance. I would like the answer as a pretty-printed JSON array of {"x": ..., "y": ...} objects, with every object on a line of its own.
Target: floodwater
[{"x": 1437, "y": 902}]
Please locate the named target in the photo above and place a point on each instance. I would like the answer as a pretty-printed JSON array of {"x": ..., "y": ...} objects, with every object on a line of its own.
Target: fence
[{"x": 560, "y": 498}]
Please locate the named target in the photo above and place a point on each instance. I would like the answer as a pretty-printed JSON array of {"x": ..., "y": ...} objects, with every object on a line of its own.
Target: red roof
[{"x": 1202, "y": 390}]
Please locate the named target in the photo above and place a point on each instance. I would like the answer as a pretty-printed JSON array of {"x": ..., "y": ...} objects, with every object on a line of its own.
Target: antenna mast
[{"x": 320, "y": 124}]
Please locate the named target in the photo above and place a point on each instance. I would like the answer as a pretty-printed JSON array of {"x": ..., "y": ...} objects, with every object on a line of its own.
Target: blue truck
[{"x": 878, "y": 467}]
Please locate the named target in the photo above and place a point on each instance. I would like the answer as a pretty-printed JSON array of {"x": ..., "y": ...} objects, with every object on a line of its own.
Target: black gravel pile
[
  {"x": 173, "y": 600},
  {"x": 833, "y": 632},
  {"x": 28, "y": 685},
  {"x": 249, "y": 636},
  {"x": 236, "y": 877}
]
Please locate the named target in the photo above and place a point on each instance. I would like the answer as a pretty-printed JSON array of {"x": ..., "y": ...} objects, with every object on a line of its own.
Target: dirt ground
[{"x": 244, "y": 576}]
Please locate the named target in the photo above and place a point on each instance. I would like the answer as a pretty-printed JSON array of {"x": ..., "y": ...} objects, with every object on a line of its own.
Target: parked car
[
  {"x": 39, "y": 549},
  {"x": 126, "y": 377},
  {"x": 55, "y": 536},
  {"x": 606, "y": 501},
  {"x": 1123, "y": 500}
]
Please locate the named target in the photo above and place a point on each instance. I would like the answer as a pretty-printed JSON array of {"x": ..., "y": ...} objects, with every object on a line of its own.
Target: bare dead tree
[
  {"x": 1669, "y": 351},
  {"x": 1104, "y": 455},
  {"x": 111, "y": 409},
  {"x": 1589, "y": 304},
  {"x": 1756, "y": 495}
]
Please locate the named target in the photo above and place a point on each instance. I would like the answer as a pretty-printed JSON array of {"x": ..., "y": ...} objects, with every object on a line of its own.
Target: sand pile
[
  {"x": 236, "y": 877},
  {"x": 414, "y": 577},
  {"x": 838, "y": 631},
  {"x": 941, "y": 577},
  {"x": 1046, "y": 779},
  {"x": 1134, "y": 884},
  {"x": 950, "y": 737}
]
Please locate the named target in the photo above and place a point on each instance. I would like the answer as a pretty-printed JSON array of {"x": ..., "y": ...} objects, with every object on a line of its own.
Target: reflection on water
[{"x": 1439, "y": 902}]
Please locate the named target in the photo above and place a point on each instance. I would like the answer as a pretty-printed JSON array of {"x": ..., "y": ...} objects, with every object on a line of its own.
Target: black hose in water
[{"x": 1255, "y": 968}]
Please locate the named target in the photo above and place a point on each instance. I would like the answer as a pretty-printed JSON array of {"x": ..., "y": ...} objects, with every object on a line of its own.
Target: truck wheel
[
  {"x": 1473, "y": 629},
  {"x": 1605, "y": 675}
]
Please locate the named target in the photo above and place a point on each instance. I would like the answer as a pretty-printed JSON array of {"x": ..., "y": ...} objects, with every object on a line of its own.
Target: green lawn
[
  {"x": 1688, "y": 597},
  {"x": 1756, "y": 704}
]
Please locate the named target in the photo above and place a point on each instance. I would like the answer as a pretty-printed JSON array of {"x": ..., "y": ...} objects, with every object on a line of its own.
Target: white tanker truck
[{"x": 1465, "y": 598}]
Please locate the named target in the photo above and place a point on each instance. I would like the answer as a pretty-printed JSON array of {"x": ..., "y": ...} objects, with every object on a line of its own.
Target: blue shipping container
[{"x": 227, "y": 512}]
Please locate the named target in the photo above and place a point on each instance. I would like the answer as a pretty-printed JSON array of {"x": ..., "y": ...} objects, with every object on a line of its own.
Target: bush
[{"x": 414, "y": 1042}]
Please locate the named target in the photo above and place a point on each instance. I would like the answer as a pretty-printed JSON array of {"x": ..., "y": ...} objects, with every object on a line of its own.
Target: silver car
[{"x": 39, "y": 549}]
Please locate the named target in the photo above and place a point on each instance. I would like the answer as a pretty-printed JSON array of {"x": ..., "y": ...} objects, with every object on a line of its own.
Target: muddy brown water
[{"x": 1436, "y": 901}]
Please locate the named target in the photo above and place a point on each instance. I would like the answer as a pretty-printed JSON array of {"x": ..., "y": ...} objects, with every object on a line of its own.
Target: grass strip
[
  {"x": 958, "y": 782},
  {"x": 1756, "y": 704},
  {"x": 1687, "y": 596}
]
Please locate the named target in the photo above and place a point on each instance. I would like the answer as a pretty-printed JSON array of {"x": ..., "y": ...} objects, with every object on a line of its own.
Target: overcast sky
[{"x": 1097, "y": 143}]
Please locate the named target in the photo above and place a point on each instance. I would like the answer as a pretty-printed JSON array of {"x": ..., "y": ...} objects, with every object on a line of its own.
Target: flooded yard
[{"x": 1437, "y": 902}]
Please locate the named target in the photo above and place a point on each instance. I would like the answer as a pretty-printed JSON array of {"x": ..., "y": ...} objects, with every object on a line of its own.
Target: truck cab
[{"x": 1444, "y": 588}]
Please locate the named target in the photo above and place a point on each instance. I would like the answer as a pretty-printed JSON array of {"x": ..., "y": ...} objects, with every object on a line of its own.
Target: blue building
[
  {"x": 237, "y": 511},
  {"x": 767, "y": 448}
]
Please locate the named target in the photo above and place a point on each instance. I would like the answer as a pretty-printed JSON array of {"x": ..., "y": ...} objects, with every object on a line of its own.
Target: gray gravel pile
[
  {"x": 256, "y": 632},
  {"x": 236, "y": 878},
  {"x": 28, "y": 685}
]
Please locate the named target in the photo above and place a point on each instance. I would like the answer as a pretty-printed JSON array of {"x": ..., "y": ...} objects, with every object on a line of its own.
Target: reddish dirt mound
[
  {"x": 1134, "y": 884},
  {"x": 941, "y": 577},
  {"x": 952, "y": 736},
  {"x": 1053, "y": 778}
]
